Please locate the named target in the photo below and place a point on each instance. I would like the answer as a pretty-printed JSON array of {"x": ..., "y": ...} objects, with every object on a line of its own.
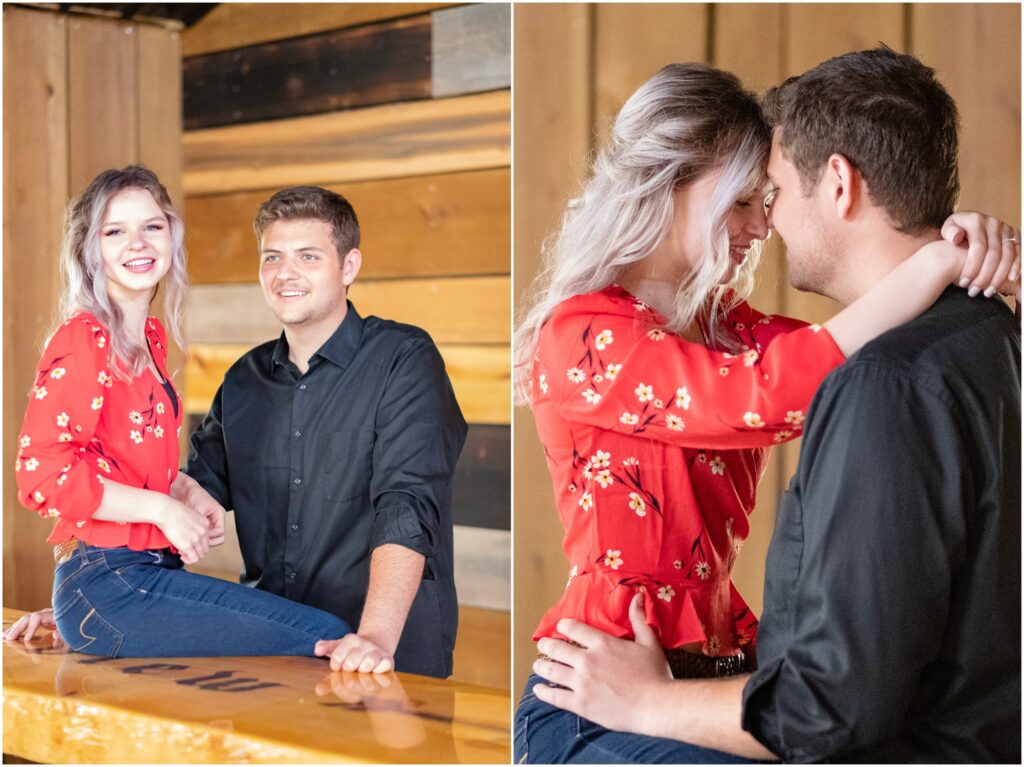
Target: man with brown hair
[
  {"x": 335, "y": 445},
  {"x": 891, "y": 626}
]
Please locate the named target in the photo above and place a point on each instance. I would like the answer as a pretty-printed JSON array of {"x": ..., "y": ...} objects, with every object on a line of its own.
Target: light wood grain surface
[{"x": 67, "y": 707}]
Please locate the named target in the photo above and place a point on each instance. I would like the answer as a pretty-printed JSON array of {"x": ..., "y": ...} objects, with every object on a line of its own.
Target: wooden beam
[
  {"x": 452, "y": 224},
  {"x": 103, "y": 71},
  {"x": 456, "y": 310},
  {"x": 418, "y": 138},
  {"x": 235, "y": 25},
  {"x": 479, "y": 374},
  {"x": 35, "y": 192},
  {"x": 471, "y": 49},
  {"x": 343, "y": 69}
]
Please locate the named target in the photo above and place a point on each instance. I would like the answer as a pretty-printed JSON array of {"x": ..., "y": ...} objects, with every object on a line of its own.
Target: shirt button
[
  {"x": 298, "y": 434},
  {"x": 302, "y": 387},
  {"x": 295, "y": 527},
  {"x": 292, "y": 576},
  {"x": 297, "y": 481}
]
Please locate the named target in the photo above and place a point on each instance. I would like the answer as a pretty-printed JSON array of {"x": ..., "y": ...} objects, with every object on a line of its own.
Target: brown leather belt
[
  {"x": 62, "y": 551},
  {"x": 690, "y": 665}
]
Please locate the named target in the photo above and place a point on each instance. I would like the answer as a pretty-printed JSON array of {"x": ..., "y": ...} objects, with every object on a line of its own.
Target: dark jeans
[
  {"x": 543, "y": 734},
  {"x": 138, "y": 604}
]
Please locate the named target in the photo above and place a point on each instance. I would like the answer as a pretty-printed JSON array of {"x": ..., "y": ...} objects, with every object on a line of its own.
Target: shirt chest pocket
[{"x": 348, "y": 464}]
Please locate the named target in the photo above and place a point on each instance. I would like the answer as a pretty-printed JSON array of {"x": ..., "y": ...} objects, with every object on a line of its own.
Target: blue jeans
[
  {"x": 121, "y": 603},
  {"x": 543, "y": 734}
]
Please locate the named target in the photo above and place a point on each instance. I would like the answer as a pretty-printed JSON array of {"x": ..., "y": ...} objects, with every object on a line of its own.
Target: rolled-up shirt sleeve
[
  {"x": 860, "y": 569},
  {"x": 419, "y": 435}
]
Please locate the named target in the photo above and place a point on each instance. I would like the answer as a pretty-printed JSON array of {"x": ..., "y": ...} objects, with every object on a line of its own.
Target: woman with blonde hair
[
  {"x": 98, "y": 453},
  {"x": 657, "y": 390}
]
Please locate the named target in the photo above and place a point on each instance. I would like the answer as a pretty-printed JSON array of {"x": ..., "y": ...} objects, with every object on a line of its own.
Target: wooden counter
[{"x": 67, "y": 707}]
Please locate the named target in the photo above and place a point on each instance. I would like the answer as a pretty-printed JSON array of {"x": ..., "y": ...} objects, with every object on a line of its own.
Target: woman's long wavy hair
[
  {"x": 84, "y": 281},
  {"x": 687, "y": 120}
]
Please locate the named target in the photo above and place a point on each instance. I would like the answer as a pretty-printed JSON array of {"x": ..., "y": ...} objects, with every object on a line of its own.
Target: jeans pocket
[{"x": 84, "y": 629}]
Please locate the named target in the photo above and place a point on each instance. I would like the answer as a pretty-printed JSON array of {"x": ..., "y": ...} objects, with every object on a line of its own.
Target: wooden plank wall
[
  {"x": 80, "y": 95},
  {"x": 564, "y": 103},
  {"x": 405, "y": 110}
]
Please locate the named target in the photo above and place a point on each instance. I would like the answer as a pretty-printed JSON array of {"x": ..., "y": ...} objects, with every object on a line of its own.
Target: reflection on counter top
[{"x": 69, "y": 707}]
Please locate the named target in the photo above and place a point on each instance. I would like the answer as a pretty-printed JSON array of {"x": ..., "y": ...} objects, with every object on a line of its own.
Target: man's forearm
[
  {"x": 704, "y": 712},
  {"x": 395, "y": 575}
]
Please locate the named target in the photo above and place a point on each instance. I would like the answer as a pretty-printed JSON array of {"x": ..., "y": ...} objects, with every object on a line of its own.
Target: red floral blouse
[
  {"x": 655, "y": 446},
  {"x": 83, "y": 426}
]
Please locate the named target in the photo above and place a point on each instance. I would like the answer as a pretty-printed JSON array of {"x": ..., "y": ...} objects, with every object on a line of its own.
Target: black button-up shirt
[
  {"x": 891, "y": 625},
  {"x": 323, "y": 467}
]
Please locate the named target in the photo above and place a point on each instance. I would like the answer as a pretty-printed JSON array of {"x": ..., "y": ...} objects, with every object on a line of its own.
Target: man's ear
[
  {"x": 845, "y": 186},
  {"x": 350, "y": 264}
]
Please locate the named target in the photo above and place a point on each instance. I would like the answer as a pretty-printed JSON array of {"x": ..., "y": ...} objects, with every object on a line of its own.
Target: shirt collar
[{"x": 340, "y": 348}]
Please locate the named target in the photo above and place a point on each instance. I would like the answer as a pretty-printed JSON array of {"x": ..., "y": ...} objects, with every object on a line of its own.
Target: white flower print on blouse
[
  {"x": 703, "y": 570},
  {"x": 601, "y": 459},
  {"x": 753, "y": 420},
  {"x": 683, "y": 398},
  {"x": 543, "y": 385},
  {"x": 40, "y": 392},
  {"x": 135, "y": 417},
  {"x": 160, "y": 406},
  {"x": 57, "y": 373},
  {"x": 136, "y": 437},
  {"x": 25, "y": 441},
  {"x": 603, "y": 340},
  {"x": 612, "y": 370},
  {"x": 613, "y": 559},
  {"x": 674, "y": 422},
  {"x": 749, "y": 358},
  {"x": 630, "y": 419},
  {"x": 637, "y": 504},
  {"x": 103, "y": 464},
  {"x": 782, "y": 436},
  {"x": 794, "y": 417},
  {"x": 666, "y": 593},
  {"x": 604, "y": 478},
  {"x": 31, "y": 464},
  {"x": 104, "y": 379},
  {"x": 97, "y": 403},
  {"x": 158, "y": 432},
  {"x": 717, "y": 465},
  {"x": 63, "y": 420},
  {"x": 576, "y": 375},
  {"x": 591, "y": 396},
  {"x": 656, "y": 334},
  {"x": 644, "y": 392},
  {"x": 586, "y": 501}
]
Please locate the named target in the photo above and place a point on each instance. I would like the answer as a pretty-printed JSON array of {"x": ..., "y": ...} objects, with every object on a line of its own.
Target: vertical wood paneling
[
  {"x": 35, "y": 190},
  {"x": 633, "y": 41},
  {"x": 552, "y": 135},
  {"x": 77, "y": 94},
  {"x": 103, "y": 124},
  {"x": 975, "y": 49}
]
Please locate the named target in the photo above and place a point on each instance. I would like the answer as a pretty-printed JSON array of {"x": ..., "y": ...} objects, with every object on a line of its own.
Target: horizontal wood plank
[
  {"x": 472, "y": 49},
  {"x": 412, "y": 139},
  {"x": 452, "y": 224},
  {"x": 342, "y": 69},
  {"x": 234, "y": 25},
  {"x": 455, "y": 310},
  {"x": 66, "y": 707},
  {"x": 479, "y": 374}
]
